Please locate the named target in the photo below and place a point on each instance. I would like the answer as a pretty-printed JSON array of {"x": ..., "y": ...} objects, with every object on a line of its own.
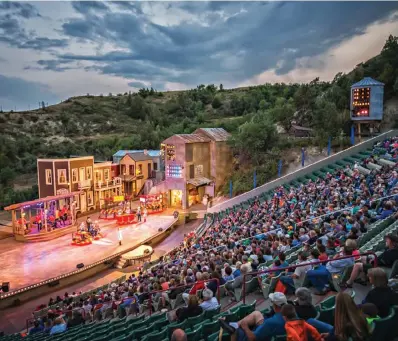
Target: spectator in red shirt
[{"x": 199, "y": 285}]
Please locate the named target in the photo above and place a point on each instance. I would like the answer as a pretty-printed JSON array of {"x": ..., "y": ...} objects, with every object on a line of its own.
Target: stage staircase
[{"x": 122, "y": 263}]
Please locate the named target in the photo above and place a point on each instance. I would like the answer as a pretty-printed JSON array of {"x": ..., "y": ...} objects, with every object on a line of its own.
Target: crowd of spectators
[{"x": 324, "y": 218}]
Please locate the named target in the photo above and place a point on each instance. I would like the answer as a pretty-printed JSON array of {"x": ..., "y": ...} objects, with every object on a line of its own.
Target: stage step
[{"x": 122, "y": 263}]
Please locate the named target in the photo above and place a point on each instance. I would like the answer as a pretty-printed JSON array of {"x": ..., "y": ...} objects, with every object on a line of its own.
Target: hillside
[{"x": 100, "y": 125}]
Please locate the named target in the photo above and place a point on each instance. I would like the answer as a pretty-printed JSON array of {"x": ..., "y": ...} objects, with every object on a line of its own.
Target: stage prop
[
  {"x": 154, "y": 203},
  {"x": 45, "y": 218}
]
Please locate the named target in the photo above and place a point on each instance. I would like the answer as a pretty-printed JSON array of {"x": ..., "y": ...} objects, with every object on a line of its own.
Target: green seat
[
  {"x": 246, "y": 309},
  {"x": 173, "y": 326},
  {"x": 138, "y": 334},
  {"x": 159, "y": 325},
  {"x": 195, "y": 335},
  {"x": 327, "y": 315},
  {"x": 156, "y": 336},
  {"x": 210, "y": 313},
  {"x": 328, "y": 302},
  {"x": 209, "y": 328},
  {"x": 192, "y": 321},
  {"x": 214, "y": 337},
  {"x": 119, "y": 332},
  {"x": 155, "y": 318}
]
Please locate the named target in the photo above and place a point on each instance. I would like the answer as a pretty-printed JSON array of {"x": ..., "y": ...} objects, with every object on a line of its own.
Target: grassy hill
[{"x": 101, "y": 125}]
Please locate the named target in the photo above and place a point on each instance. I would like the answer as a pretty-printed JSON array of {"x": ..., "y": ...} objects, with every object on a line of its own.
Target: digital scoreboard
[{"x": 361, "y": 102}]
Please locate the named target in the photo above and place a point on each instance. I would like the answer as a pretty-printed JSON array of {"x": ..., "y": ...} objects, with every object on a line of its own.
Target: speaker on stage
[
  {"x": 5, "y": 287},
  {"x": 80, "y": 265}
]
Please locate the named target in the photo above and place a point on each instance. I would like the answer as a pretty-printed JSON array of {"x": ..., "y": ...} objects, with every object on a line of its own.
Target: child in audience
[{"x": 297, "y": 329}]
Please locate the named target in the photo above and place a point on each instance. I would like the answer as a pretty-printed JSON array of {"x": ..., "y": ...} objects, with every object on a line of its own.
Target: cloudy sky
[{"x": 50, "y": 51}]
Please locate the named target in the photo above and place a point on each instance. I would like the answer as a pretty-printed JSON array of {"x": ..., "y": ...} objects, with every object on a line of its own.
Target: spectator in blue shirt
[
  {"x": 387, "y": 211},
  {"x": 255, "y": 327},
  {"x": 37, "y": 328},
  {"x": 59, "y": 326},
  {"x": 236, "y": 273}
]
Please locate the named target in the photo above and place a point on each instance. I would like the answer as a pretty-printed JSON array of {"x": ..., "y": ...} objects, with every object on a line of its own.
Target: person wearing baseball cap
[{"x": 255, "y": 327}]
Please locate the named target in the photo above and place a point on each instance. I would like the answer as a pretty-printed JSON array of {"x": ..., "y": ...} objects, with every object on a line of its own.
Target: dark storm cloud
[
  {"x": 14, "y": 34},
  {"x": 21, "y": 9},
  {"x": 11, "y": 89},
  {"x": 51, "y": 65},
  {"x": 232, "y": 40},
  {"x": 137, "y": 85}
]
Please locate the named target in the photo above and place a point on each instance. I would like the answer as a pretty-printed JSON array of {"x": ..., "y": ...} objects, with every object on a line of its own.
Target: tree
[{"x": 216, "y": 102}]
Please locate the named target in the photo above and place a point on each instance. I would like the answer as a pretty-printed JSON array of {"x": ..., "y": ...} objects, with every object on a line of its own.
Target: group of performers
[
  {"x": 88, "y": 232},
  {"x": 56, "y": 218}
]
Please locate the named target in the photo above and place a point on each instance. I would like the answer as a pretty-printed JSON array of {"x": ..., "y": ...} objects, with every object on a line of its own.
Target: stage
[{"x": 24, "y": 264}]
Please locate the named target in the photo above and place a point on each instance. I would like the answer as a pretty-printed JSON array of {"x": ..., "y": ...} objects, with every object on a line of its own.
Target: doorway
[{"x": 83, "y": 202}]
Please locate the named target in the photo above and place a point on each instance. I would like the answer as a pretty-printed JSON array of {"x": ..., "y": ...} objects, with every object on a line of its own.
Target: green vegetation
[{"x": 101, "y": 125}]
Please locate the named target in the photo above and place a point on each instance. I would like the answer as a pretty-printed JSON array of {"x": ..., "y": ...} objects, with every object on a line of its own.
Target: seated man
[
  {"x": 209, "y": 302},
  {"x": 321, "y": 276},
  {"x": 254, "y": 327},
  {"x": 298, "y": 274},
  {"x": 238, "y": 282}
]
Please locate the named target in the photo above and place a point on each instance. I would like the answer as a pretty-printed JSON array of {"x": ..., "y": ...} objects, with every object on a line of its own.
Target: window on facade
[
  {"x": 61, "y": 176},
  {"x": 191, "y": 171},
  {"x": 189, "y": 153},
  {"x": 174, "y": 171},
  {"x": 90, "y": 199},
  {"x": 49, "y": 177},
  {"x": 155, "y": 166},
  {"x": 89, "y": 173},
  {"x": 139, "y": 170},
  {"x": 98, "y": 176},
  {"x": 198, "y": 171},
  {"x": 74, "y": 175},
  {"x": 106, "y": 174},
  {"x": 77, "y": 200},
  {"x": 171, "y": 152}
]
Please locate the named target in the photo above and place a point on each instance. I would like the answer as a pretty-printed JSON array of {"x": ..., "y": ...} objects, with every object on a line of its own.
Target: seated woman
[
  {"x": 193, "y": 309},
  {"x": 381, "y": 295},
  {"x": 349, "y": 321}
]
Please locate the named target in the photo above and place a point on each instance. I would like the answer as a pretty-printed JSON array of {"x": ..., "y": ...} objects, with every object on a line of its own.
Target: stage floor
[{"x": 24, "y": 264}]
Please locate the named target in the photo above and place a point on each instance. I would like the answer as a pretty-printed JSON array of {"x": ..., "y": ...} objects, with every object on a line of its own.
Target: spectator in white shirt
[{"x": 209, "y": 302}]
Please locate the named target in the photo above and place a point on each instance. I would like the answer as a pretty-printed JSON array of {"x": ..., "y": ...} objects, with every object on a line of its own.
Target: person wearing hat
[
  {"x": 303, "y": 304},
  {"x": 255, "y": 327}
]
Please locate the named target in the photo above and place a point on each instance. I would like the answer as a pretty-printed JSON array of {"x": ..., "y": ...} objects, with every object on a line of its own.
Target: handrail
[
  {"x": 300, "y": 265},
  {"x": 183, "y": 286}
]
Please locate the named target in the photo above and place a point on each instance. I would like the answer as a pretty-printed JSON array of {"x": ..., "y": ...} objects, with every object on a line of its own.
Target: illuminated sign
[{"x": 118, "y": 198}]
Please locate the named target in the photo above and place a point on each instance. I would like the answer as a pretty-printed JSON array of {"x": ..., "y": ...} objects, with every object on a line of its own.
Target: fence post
[
  {"x": 254, "y": 179},
  {"x": 279, "y": 168},
  {"x": 230, "y": 188},
  {"x": 302, "y": 157},
  {"x": 329, "y": 145}
]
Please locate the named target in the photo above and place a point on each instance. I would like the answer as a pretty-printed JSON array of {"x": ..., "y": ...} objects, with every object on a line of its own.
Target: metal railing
[
  {"x": 255, "y": 273},
  {"x": 110, "y": 183},
  {"x": 183, "y": 286}
]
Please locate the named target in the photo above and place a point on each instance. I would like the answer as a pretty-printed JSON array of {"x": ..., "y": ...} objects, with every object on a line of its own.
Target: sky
[{"x": 50, "y": 51}]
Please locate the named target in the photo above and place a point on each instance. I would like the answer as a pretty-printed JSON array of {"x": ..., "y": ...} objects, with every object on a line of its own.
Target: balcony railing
[
  {"x": 115, "y": 182},
  {"x": 84, "y": 184}
]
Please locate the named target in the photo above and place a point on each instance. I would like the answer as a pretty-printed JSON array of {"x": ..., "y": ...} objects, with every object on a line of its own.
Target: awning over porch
[{"x": 199, "y": 181}]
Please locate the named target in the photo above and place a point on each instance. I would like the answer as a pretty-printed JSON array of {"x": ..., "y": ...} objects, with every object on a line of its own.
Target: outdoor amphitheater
[{"x": 286, "y": 255}]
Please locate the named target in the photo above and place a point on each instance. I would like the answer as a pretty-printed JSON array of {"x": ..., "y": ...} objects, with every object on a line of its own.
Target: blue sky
[{"x": 50, "y": 51}]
